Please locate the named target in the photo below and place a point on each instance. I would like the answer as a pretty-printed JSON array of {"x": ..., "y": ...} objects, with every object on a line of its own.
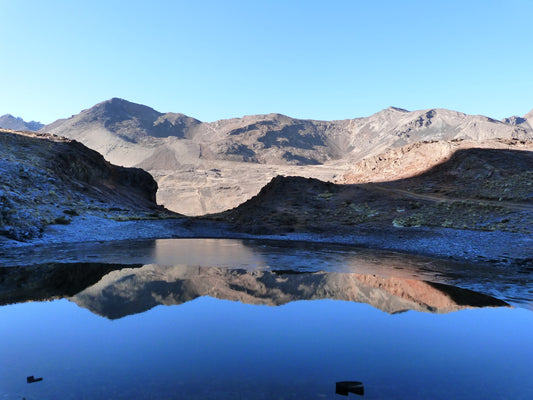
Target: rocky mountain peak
[
  {"x": 514, "y": 120},
  {"x": 8, "y": 121},
  {"x": 119, "y": 110},
  {"x": 129, "y": 121},
  {"x": 397, "y": 109},
  {"x": 176, "y": 145}
]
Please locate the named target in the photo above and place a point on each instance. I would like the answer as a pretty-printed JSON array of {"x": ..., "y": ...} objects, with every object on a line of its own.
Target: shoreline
[{"x": 468, "y": 246}]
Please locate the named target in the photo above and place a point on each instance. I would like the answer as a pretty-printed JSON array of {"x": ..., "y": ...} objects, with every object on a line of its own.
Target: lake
[{"x": 232, "y": 319}]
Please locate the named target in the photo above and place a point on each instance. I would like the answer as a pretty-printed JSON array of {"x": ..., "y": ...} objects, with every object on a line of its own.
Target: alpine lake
[{"x": 234, "y": 319}]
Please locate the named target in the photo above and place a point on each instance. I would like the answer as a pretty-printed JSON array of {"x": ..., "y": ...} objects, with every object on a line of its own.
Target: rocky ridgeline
[
  {"x": 8, "y": 121},
  {"x": 207, "y": 167},
  {"x": 46, "y": 179}
]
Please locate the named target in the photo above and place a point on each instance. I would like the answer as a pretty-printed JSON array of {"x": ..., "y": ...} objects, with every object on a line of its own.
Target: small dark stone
[
  {"x": 32, "y": 379},
  {"x": 345, "y": 387}
]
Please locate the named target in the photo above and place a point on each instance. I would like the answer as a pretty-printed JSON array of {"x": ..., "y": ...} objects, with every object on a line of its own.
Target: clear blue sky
[{"x": 307, "y": 59}]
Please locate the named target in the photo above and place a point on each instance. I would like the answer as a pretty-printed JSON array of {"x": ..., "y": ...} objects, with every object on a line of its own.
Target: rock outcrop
[{"x": 46, "y": 179}]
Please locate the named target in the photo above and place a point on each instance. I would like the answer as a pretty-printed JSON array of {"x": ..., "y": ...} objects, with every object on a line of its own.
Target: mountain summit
[
  {"x": 8, "y": 121},
  {"x": 127, "y": 120}
]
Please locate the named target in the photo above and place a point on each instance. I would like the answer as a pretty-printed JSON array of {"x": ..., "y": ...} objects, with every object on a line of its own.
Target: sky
[{"x": 311, "y": 59}]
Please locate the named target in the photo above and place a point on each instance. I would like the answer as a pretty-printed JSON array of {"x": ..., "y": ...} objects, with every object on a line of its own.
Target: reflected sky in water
[{"x": 210, "y": 348}]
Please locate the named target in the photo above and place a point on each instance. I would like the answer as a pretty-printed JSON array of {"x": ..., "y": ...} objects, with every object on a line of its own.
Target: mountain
[
  {"x": 8, "y": 121},
  {"x": 475, "y": 188},
  {"x": 130, "y": 291},
  {"x": 525, "y": 122},
  {"x": 209, "y": 167},
  {"x": 46, "y": 179}
]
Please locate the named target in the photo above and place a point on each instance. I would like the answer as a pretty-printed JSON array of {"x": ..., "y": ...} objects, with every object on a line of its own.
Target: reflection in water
[
  {"x": 129, "y": 291},
  {"x": 212, "y": 348},
  {"x": 514, "y": 284},
  {"x": 115, "y": 291},
  {"x": 217, "y": 349}
]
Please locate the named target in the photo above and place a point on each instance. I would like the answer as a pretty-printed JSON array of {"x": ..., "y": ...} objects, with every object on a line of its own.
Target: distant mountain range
[
  {"x": 8, "y": 121},
  {"x": 210, "y": 167},
  {"x": 111, "y": 126}
]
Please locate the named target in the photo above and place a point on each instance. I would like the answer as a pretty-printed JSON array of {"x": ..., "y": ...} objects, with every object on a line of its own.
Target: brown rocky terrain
[
  {"x": 416, "y": 158},
  {"x": 475, "y": 189},
  {"x": 477, "y": 181},
  {"x": 210, "y": 167},
  {"x": 45, "y": 179}
]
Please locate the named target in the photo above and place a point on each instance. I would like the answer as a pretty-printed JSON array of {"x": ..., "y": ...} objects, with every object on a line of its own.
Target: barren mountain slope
[
  {"x": 525, "y": 122},
  {"x": 413, "y": 159},
  {"x": 208, "y": 167},
  {"x": 46, "y": 179},
  {"x": 476, "y": 189}
]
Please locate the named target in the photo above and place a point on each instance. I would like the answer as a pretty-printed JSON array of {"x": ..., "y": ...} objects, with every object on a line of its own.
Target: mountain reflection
[
  {"x": 134, "y": 290},
  {"x": 115, "y": 291}
]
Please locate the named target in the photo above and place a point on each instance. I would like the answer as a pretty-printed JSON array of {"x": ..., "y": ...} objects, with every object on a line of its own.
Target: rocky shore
[
  {"x": 476, "y": 207},
  {"x": 480, "y": 247}
]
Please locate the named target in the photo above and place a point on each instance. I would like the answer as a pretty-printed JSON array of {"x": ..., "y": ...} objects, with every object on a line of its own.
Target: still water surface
[{"x": 226, "y": 319}]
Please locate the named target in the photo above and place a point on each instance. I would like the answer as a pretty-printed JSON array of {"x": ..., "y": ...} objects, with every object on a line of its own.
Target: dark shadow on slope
[
  {"x": 466, "y": 297},
  {"x": 450, "y": 195},
  {"x": 477, "y": 173}
]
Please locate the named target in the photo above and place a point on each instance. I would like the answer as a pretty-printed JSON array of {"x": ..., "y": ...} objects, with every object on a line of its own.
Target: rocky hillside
[
  {"x": 45, "y": 179},
  {"x": 208, "y": 167},
  {"x": 416, "y": 158},
  {"x": 8, "y": 121},
  {"x": 525, "y": 122},
  {"x": 477, "y": 189}
]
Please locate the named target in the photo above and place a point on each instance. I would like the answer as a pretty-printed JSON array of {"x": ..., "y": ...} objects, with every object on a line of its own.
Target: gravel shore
[{"x": 459, "y": 245}]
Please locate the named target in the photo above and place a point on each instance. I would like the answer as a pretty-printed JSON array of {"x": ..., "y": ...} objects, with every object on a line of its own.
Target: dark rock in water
[
  {"x": 345, "y": 387},
  {"x": 32, "y": 379}
]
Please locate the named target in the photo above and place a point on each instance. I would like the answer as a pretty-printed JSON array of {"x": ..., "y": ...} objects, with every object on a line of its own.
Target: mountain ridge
[
  {"x": 206, "y": 167},
  {"x": 8, "y": 121},
  {"x": 47, "y": 180}
]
